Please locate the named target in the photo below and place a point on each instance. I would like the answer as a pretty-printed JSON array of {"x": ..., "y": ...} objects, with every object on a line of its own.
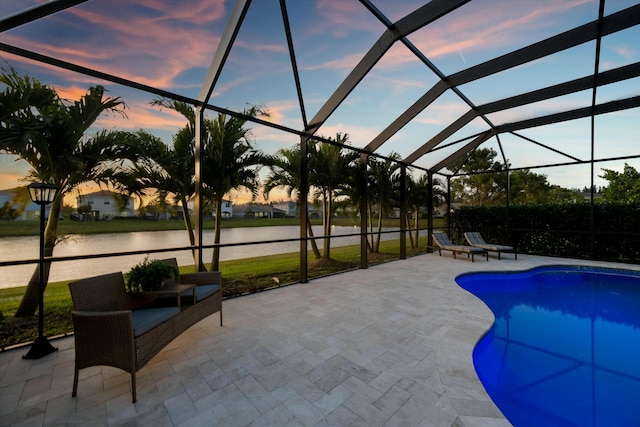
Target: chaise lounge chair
[
  {"x": 475, "y": 239},
  {"x": 444, "y": 244}
]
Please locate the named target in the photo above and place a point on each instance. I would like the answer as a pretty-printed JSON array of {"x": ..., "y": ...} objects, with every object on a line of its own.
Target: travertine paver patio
[{"x": 386, "y": 346}]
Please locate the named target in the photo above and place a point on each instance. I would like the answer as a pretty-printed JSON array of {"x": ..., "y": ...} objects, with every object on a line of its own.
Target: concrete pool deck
[{"x": 386, "y": 346}]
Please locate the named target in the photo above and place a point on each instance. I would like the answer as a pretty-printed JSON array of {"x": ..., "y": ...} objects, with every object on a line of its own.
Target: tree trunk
[
  {"x": 370, "y": 234},
  {"x": 327, "y": 227},
  {"x": 408, "y": 220},
  {"x": 324, "y": 225},
  {"x": 30, "y": 299},
  {"x": 417, "y": 228},
  {"x": 379, "y": 233},
  {"x": 314, "y": 244},
  {"x": 188, "y": 225},
  {"x": 215, "y": 258}
]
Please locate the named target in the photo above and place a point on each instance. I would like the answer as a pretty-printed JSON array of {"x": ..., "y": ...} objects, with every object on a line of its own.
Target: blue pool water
[{"x": 564, "y": 349}]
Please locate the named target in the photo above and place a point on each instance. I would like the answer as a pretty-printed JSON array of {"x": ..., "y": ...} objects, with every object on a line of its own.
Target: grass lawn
[{"x": 239, "y": 277}]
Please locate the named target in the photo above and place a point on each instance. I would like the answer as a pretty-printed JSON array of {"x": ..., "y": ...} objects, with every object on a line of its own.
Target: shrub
[
  {"x": 603, "y": 231},
  {"x": 149, "y": 275}
]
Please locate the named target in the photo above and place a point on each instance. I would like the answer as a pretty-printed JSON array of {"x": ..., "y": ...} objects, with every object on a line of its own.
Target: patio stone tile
[
  {"x": 341, "y": 417},
  {"x": 390, "y": 346},
  {"x": 249, "y": 386},
  {"x": 362, "y": 373},
  {"x": 212, "y": 416},
  {"x": 278, "y": 416},
  {"x": 273, "y": 376},
  {"x": 419, "y": 390},
  {"x": 196, "y": 387},
  {"x": 236, "y": 403},
  {"x": 226, "y": 378},
  {"x": 264, "y": 356},
  {"x": 265, "y": 402},
  {"x": 209, "y": 370},
  {"x": 302, "y": 361},
  {"x": 416, "y": 412},
  {"x": 328, "y": 375},
  {"x": 484, "y": 422},
  {"x": 366, "y": 410},
  {"x": 33, "y": 414},
  {"x": 305, "y": 388},
  {"x": 303, "y": 411},
  {"x": 384, "y": 381},
  {"x": 180, "y": 408},
  {"x": 361, "y": 389},
  {"x": 10, "y": 397},
  {"x": 333, "y": 399},
  {"x": 159, "y": 369},
  {"x": 58, "y": 410},
  {"x": 95, "y": 414},
  {"x": 151, "y": 413},
  {"x": 392, "y": 400},
  {"x": 120, "y": 410}
]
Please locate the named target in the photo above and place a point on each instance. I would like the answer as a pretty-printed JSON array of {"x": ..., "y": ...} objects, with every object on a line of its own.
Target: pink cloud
[
  {"x": 143, "y": 116},
  {"x": 625, "y": 51},
  {"x": 494, "y": 28},
  {"x": 128, "y": 42},
  {"x": 340, "y": 18},
  {"x": 498, "y": 27},
  {"x": 344, "y": 63}
]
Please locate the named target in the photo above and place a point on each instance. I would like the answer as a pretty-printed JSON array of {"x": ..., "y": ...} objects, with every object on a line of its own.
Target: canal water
[{"x": 21, "y": 248}]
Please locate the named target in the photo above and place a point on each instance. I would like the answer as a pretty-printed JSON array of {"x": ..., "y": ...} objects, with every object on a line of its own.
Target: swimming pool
[{"x": 564, "y": 349}]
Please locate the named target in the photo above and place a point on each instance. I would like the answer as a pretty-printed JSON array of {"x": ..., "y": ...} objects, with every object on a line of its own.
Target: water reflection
[{"x": 18, "y": 248}]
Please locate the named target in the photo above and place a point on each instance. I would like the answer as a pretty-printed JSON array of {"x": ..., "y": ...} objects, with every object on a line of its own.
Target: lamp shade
[{"x": 42, "y": 193}]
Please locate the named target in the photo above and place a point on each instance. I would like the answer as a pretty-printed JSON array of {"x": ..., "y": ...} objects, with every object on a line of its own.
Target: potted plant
[{"x": 149, "y": 275}]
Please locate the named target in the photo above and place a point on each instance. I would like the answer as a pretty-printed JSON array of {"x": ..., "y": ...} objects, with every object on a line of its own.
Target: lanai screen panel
[{"x": 166, "y": 48}]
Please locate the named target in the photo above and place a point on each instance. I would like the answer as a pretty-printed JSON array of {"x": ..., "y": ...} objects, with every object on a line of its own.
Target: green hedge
[{"x": 562, "y": 230}]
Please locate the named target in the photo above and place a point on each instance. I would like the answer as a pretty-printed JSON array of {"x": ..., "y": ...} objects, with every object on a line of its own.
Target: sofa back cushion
[{"x": 100, "y": 293}]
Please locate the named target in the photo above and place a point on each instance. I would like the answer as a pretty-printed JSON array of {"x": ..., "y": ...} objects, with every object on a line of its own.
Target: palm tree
[
  {"x": 385, "y": 180},
  {"x": 171, "y": 169},
  {"x": 354, "y": 189},
  {"x": 329, "y": 166},
  {"x": 285, "y": 173},
  {"x": 49, "y": 134},
  {"x": 229, "y": 163},
  {"x": 417, "y": 197}
]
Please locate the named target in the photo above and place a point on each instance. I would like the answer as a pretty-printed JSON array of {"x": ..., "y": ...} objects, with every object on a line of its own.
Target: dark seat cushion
[
  {"x": 146, "y": 319},
  {"x": 202, "y": 291},
  {"x": 464, "y": 249}
]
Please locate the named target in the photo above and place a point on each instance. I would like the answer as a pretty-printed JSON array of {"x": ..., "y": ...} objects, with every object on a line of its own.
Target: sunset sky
[{"x": 170, "y": 45}]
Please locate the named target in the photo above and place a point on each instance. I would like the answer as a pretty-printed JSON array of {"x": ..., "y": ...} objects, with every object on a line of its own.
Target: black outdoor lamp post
[{"x": 42, "y": 194}]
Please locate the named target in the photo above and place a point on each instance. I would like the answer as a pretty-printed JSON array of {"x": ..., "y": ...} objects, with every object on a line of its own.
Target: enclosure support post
[
  {"x": 199, "y": 137},
  {"x": 304, "y": 191},
  {"x": 403, "y": 211},
  {"x": 362, "y": 177},
  {"x": 429, "y": 212}
]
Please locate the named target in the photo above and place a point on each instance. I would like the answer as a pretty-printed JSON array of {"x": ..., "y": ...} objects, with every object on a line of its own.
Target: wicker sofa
[{"x": 116, "y": 329}]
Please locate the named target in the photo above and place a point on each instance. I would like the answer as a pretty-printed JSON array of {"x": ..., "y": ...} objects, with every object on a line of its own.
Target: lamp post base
[{"x": 40, "y": 348}]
